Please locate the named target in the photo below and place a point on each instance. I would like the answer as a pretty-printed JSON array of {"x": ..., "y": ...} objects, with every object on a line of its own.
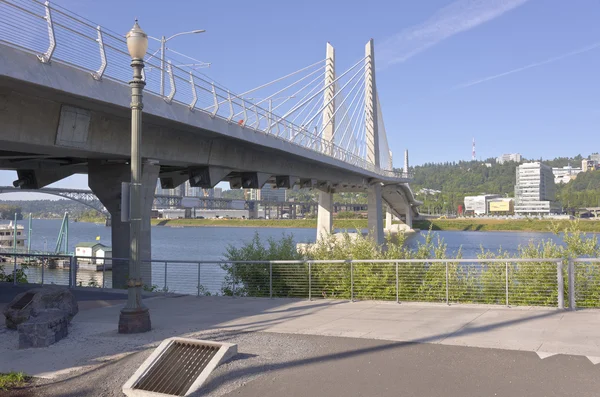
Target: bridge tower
[
  {"x": 374, "y": 200},
  {"x": 325, "y": 210}
]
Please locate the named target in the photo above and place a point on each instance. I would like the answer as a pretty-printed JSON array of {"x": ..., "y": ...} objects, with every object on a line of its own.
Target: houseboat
[{"x": 7, "y": 238}]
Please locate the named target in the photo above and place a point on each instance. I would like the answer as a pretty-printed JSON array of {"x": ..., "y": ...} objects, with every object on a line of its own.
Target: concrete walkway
[{"x": 93, "y": 339}]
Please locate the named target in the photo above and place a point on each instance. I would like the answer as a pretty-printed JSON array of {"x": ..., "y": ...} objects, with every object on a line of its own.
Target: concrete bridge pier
[
  {"x": 105, "y": 181},
  {"x": 388, "y": 218},
  {"x": 325, "y": 215},
  {"x": 409, "y": 219}
]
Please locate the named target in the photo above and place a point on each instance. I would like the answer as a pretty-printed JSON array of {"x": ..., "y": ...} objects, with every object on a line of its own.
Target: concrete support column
[
  {"x": 409, "y": 220},
  {"x": 105, "y": 181},
  {"x": 388, "y": 218},
  {"x": 375, "y": 213},
  {"x": 325, "y": 215}
]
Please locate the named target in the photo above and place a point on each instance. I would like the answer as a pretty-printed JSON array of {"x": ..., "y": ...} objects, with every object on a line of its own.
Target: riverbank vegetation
[
  {"x": 528, "y": 283},
  {"x": 521, "y": 225},
  {"x": 466, "y": 224}
]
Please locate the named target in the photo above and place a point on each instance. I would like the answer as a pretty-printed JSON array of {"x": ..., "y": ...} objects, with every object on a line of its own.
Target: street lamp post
[
  {"x": 134, "y": 317},
  {"x": 163, "y": 43}
]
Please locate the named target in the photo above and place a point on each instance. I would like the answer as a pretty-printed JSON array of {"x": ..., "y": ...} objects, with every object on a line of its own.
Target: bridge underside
[{"x": 56, "y": 121}]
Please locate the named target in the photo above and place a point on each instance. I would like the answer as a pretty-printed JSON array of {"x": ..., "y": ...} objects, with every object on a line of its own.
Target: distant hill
[{"x": 456, "y": 180}]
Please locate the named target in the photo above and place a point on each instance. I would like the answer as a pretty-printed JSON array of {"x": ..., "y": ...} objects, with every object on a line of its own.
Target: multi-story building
[
  {"x": 535, "y": 191},
  {"x": 218, "y": 193},
  {"x": 595, "y": 158},
  {"x": 588, "y": 165},
  {"x": 267, "y": 193},
  {"x": 516, "y": 157},
  {"x": 565, "y": 174},
  {"x": 478, "y": 205}
]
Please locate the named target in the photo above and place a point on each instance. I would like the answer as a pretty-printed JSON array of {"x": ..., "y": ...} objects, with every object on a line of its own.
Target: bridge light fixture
[{"x": 137, "y": 42}]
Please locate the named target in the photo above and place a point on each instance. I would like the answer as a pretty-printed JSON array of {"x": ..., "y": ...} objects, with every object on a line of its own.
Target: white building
[
  {"x": 535, "y": 191},
  {"x": 565, "y": 174},
  {"x": 516, "y": 157},
  {"x": 92, "y": 250},
  {"x": 478, "y": 205}
]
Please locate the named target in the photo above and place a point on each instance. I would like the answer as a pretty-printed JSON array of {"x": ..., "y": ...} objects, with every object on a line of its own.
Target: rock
[
  {"x": 50, "y": 326},
  {"x": 50, "y": 297}
]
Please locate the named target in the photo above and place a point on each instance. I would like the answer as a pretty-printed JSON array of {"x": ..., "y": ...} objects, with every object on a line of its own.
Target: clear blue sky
[{"x": 516, "y": 75}]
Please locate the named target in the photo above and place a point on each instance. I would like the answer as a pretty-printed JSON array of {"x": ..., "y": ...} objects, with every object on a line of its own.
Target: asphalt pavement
[{"x": 271, "y": 364}]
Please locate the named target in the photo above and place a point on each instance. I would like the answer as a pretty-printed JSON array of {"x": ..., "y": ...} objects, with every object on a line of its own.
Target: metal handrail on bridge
[{"x": 56, "y": 34}]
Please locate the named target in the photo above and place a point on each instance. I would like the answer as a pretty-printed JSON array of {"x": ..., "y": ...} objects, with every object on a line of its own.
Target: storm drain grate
[
  {"x": 178, "y": 367},
  {"x": 24, "y": 301}
]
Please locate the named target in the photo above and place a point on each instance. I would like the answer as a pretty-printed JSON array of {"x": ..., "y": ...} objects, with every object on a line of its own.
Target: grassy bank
[
  {"x": 486, "y": 225},
  {"x": 299, "y": 223}
]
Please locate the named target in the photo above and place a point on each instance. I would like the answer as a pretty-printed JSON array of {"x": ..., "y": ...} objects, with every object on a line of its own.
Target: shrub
[{"x": 529, "y": 283}]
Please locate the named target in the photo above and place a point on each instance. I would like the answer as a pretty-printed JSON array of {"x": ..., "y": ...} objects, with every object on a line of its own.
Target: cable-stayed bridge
[{"x": 64, "y": 109}]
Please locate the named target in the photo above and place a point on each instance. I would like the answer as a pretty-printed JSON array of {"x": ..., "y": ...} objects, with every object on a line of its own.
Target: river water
[{"x": 210, "y": 243}]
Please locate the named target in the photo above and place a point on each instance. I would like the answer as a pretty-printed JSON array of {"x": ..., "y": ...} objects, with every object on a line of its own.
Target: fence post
[
  {"x": 397, "y": 296},
  {"x": 43, "y": 269},
  {"x": 447, "y": 289},
  {"x": 309, "y": 282},
  {"x": 571, "y": 277},
  {"x": 351, "y": 282},
  {"x": 103, "y": 272},
  {"x": 561, "y": 285},
  {"x": 72, "y": 276},
  {"x": 270, "y": 279},
  {"x": 198, "y": 294},
  {"x": 15, "y": 270},
  {"x": 506, "y": 282},
  {"x": 233, "y": 283},
  {"x": 165, "y": 287}
]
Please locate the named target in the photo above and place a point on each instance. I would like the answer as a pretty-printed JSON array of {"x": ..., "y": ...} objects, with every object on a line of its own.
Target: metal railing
[
  {"x": 55, "y": 34},
  {"x": 509, "y": 282}
]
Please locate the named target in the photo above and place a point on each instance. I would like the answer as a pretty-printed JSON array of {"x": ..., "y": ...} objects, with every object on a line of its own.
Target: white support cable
[
  {"x": 359, "y": 94},
  {"x": 309, "y": 93},
  {"x": 337, "y": 93},
  {"x": 323, "y": 89},
  {"x": 341, "y": 104},
  {"x": 316, "y": 101},
  {"x": 281, "y": 78},
  {"x": 188, "y": 57},
  {"x": 355, "y": 131},
  {"x": 347, "y": 123},
  {"x": 320, "y": 76},
  {"x": 291, "y": 85}
]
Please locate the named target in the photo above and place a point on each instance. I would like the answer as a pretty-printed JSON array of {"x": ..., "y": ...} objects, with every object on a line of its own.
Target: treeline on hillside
[
  {"x": 455, "y": 180},
  {"x": 45, "y": 208},
  {"x": 8, "y": 211},
  {"x": 584, "y": 191}
]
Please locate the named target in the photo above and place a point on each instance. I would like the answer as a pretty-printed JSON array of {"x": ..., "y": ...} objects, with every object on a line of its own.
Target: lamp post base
[{"x": 134, "y": 322}]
